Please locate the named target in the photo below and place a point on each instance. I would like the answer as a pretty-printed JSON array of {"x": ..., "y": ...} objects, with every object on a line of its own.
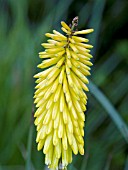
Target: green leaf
[
  {"x": 112, "y": 112},
  {"x": 28, "y": 160}
]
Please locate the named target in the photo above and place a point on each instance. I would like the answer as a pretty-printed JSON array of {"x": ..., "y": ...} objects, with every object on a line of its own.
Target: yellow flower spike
[
  {"x": 50, "y": 103},
  {"x": 76, "y": 81},
  {"x": 54, "y": 162},
  {"x": 60, "y": 62},
  {"x": 48, "y": 63},
  {"x": 39, "y": 110},
  {"x": 53, "y": 73},
  {"x": 60, "y": 128},
  {"x": 47, "y": 45},
  {"x": 62, "y": 101},
  {"x": 83, "y": 107},
  {"x": 73, "y": 94},
  {"x": 86, "y": 56},
  {"x": 38, "y": 127},
  {"x": 83, "y": 85},
  {"x": 63, "y": 43},
  {"x": 69, "y": 155},
  {"x": 69, "y": 64},
  {"x": 41, "y": 133},
  {"x": 65, "y": 113},
  {"x": 83, "y": 65},
  {"x": 76, "y": 132},
  {"x": 65, "y": 84},
  {"x": 46, "y": 56},
  {"x": 74, "y": 146},
  {"x": 55, "y": 137},
  {"x": 77, "y": 106},
  {"x": 46, "y": 95},
  {"x": 64, "y": 158},
  {"x": 60, "y": 95},
  {"x": 48, "y": 143},
  {"x": 73, "y": 47},
  {"x": 50, "y": 41},
  {"x": 67, "y": 70},
  {"x": 70, "y": 80},
  {"x": 85, "y": 72},
  {"x": 82, "y": 48},
  {"x": 69, "y": 125},
  {"x": 40, "y": 144},
  {"x": 65, "y": 26},
  {"x": 84, "y": 45},
  {"x": 69, "y": 136},
  {"x": 56, "y": 37},
  {"x": 57, "y": 33},
  {"x": 60, "y": 54},
  {"x": 40, "y": 118},
  {"x": 58, "y": 149},
  {"x": 50, "y": 126},
  {"x": 74, "y": 55},
  {"x": 44, "y": 73},
  {"x": 68, "y": 53},
  {"x": 81, "y": 116},
  {"x": 64, "y": 140},
  {"x": 79, "y": 39},
  {"x": 55, "y": 85},
  {"x": 61, "y": 76},
  {"x": 41, "y": 103},
  {"x": 47, "y": 117},
  {"x": 75, "y": 63},
  {"x": 80, "y": 75},
  {"x": 84, "y": 31},
  {"x": 48, "y": 157},
  {"x": 77, "y": 90},
  {"x": 56, "y": 121},
  {"x": 81, "y": 149},
  {"x": 64, "y": 30},
  {"x": 75, "y": 123},
  {"x": 79, "y": 138},
  {"x": 72, "y": 41},
  {"x": 57, "y": 93},
  {"x": 54, "y": 50},
  {"x": 55, "y": 110}
]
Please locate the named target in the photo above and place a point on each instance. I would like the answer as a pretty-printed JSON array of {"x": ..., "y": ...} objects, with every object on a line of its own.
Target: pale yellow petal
[
  {"x": 87, "y": 31},
  {"x": 65, "y": 26}
]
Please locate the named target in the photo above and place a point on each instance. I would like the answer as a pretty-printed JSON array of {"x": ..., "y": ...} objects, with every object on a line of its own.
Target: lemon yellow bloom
[{"x": 60, "y": 95}]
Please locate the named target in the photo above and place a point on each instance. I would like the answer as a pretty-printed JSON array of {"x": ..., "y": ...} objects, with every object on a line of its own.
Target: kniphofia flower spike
[{"x": 60, "y": 95}]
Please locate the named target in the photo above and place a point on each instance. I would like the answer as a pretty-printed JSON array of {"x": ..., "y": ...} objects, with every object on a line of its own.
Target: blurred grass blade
[
  {"x": 15, "y": 139},
  {"x": 85, "y": 161},
  {"x": 126, "y": 164},
  {"x": 84, "y": 14},
  {"x": 110, "y": 110},
  {"x": 102, "y": 71},
  {"x": 108, "y": 162},
  {"x": 61, "y": 10},
  {"x": 95, "y": 22},
  {"x": 54, "y": 17},
  {"x": 28, "y": 158}
]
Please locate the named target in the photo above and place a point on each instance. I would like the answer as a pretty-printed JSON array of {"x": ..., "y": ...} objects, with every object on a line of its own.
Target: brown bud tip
[{"x": 75, "y": 21}]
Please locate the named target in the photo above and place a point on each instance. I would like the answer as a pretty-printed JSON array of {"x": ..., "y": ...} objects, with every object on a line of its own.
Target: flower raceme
[{"x": 60, "y": 95}]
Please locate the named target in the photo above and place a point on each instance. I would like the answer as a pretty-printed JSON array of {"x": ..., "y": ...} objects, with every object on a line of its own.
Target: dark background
[{"x": 23, "y": 24}]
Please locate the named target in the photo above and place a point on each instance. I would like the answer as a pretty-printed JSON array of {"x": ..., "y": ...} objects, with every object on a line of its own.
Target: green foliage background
[{"x": 22, "y": 27}]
